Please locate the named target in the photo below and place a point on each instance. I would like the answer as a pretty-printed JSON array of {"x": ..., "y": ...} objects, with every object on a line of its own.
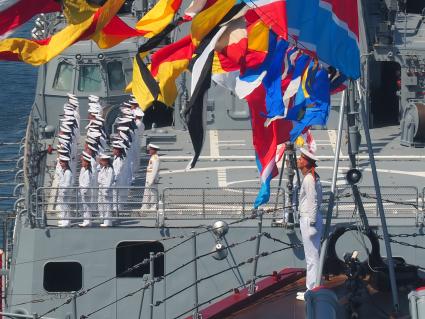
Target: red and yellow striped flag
[
  {"x": 39, "y": 52},
  {"x": 167, "y": 64}
]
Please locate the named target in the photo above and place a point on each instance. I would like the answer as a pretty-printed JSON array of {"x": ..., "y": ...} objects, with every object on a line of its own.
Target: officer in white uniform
[
  {"x": 105, "y": 181},
  {"x": 64, "y": 192},
  {"x": 86, "y": 184},
  {"x": 120, "y": 180},
  {"x": 310, "y": 215},
  {"x": 150, "y": 195}
]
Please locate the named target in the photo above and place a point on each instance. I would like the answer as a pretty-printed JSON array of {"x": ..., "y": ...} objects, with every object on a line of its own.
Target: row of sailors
[
  {"x": 69, "y": 132},
  {"x": 126, "y": 158}
]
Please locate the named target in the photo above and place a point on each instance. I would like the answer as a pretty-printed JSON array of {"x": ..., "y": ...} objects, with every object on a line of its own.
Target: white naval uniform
[
  {"x": 85, "y": 182},
  {"x": 150, "y": 195},
  {"x": 105, "y": 180},
  {"x": 63, "y": 199},
  {"x": 120, "y": 180},
  {"x": 309, "y": 208},
  {"x": 136, "y": 146}
]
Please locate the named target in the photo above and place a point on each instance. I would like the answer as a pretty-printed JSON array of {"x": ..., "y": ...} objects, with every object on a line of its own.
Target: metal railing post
[
  {"x": 243, "y": 202},
  {"x": 74, "y": 305},
  {"x": 203, "y": 202},
  {"x": 323, "y": 250},
  {"x": 195, "y": 278},
  {"x": 390, "y": 260},
  {"x": 141, "y": 301},
  {"x": 152, "y": 283},
  {"x": 251, "y": 289},
  {"x": 77, "y": 204}
]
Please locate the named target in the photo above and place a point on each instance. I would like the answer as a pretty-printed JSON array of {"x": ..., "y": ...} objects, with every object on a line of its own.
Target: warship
[{"x": 203, "y": 251}]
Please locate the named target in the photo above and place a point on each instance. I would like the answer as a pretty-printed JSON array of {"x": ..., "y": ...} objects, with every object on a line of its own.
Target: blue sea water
[{"x": 17, "y": 88}]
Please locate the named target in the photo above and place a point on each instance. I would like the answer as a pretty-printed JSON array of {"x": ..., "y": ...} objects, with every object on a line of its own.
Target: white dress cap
[
  {"x": 104, "y": 156},
  {"x": 156, "y": 147},
  {"x": 64, "y": 158},
  {"x": 308, "y": 154},
  {"x": 139, "y": 112}
]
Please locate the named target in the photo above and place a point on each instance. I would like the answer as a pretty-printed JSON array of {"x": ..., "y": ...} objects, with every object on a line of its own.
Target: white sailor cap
[
  {"x": 123, "y": 120},
  {"x": 93, "y": 147},
  {"x": 138, "y": 112},
  {"x": 94, "y": 98},
  {"x": 133, "y": 101},
  {"x": 93, "y": 134},
  {"x": 99, "y": 117},
  {"x": 68, "y": 111},
  {"x": 64, "y": 158},
  {"x": 69, "y": 118},
  {"x": 90, "y": 140},
  {"x": 63, "y": 151},
  {"x": 123, "y": 128},
  {"x": 97, "y": 122},
  {"x": 155, "y": 147},
  {"x": 126, "y": 105},
  {"x": 126, "y": 111},
  {"x": 118, "y": 144},
  {"x": 73, "y": 103},
  {"x": 64, "y": 136},
  {"x": 308, "y": 155},
  {"x": 123, "y": 136},
  {"x": 104, "y": 156},
  {"x": 65, "y": 129},
  {"x": 86, "y": 158},
  {"x": 86, "y": 154},
  {"x": 71, "y": 96}
]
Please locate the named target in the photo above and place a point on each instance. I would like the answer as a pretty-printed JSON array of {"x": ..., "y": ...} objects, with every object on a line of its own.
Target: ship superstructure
[{"x": 204, "y": 251}]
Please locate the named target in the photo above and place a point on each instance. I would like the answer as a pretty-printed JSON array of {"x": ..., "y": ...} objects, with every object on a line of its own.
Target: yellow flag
[{"x": 40, "y": 52}]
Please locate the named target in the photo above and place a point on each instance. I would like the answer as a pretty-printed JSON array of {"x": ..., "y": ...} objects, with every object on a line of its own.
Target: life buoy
[{"x": 335, "y": 266}]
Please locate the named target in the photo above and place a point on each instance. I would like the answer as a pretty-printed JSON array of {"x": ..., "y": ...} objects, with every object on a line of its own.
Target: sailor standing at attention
[
  {"x": 86, "y": 184},
  {"x": 120, "y": 178},
  {"x": 105, "y": 181},
  {"x": 310, "y": 216},
  {"x": 63, "y": 199},
  {"x": 150, "y": 195}
]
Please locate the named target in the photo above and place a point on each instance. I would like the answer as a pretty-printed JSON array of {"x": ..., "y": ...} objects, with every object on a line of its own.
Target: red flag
[{"x": 21, "y": 11}]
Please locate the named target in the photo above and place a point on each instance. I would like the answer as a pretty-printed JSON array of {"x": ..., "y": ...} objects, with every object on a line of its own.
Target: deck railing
[{"x": 211, "y": 203}]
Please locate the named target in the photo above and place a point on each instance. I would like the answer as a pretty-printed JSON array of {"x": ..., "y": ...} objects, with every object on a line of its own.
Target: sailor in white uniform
[
  {"x": 105, "y": 181},
  {"x": 120, "y": 180},
  {"x": 64, "y": 192},
  {"x": 138, "y": 138},
  {"x": 86, "y": 184},
  {"x": 310, "y": 215},
  {"x": 150, "y": 195}
]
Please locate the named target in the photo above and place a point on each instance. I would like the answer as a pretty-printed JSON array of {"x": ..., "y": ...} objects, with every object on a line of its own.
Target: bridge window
[
  {"x": 63, "y": 77},
  {"x": 130, "y": 253},
  {"x": 412, "y": 6},
  {"x": 116, "y": 78},
  {"x": 89, "y": 79},
  {"x": 63, "y": 276}
]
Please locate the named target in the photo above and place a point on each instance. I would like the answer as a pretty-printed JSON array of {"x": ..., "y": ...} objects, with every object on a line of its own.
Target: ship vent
[
  {"x": 63, "y": 276},
  {"x": 130, "y": 253}
]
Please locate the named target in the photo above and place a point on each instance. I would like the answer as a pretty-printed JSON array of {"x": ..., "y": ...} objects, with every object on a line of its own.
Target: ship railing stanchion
[
  {"x": 203, "y": 202},
  {"x": 243, "y": 202},
  {"x": 142, "y": 299},
  {"x": 279, "y": 186},
  {"x": 251, "y": 289},
  {"x": 77, "y": 203},
  {"x": 74, "y": 304},
  {"x": 324, "y": 247},
  {"x": 195, "y": 278},
  {"x": 152, "y": 282},
  {"x": 390, "y": 260}
]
